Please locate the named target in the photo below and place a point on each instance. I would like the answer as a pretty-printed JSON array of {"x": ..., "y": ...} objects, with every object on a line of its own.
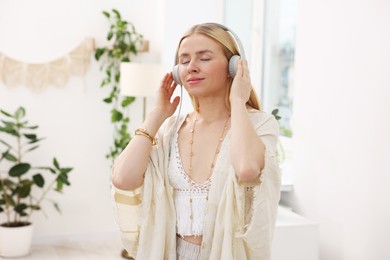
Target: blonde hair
[{"x": 226, "y": 41}]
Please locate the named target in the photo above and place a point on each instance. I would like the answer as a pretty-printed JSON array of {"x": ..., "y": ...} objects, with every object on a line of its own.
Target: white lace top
[{"x": 190, "y": 197}]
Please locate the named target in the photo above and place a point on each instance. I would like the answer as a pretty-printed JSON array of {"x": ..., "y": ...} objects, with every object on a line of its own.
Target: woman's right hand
[{"x": 165, "y": 92}]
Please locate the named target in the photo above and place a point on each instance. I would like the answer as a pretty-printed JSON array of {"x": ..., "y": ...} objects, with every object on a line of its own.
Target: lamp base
[{"x": 126, "y": 255}]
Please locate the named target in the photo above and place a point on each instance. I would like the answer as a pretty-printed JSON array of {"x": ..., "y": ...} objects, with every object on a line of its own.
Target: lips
[{"x": 194, "y": 80}]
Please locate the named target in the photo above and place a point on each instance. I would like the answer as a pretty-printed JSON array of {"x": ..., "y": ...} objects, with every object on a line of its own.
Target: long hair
[{"x": 229, "y": 47}]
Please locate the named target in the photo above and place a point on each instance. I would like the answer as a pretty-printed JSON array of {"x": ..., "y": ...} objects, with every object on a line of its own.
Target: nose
[{"x": 192, "y": 66}]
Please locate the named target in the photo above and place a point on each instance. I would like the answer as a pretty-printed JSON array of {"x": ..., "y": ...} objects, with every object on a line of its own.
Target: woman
[{"x": 208, "y": 186}]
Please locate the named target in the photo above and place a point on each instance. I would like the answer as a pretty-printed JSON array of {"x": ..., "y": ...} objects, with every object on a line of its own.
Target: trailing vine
[{"x": 123, "y": 42}]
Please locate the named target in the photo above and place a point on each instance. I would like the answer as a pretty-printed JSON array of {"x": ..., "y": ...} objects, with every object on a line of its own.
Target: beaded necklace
[{"x": 192, "y": 131}]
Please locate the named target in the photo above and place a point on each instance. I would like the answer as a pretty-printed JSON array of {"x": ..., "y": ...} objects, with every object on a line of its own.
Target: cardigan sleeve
[
  {"x": 144, "y": 215},
  {"x": 127, "y": 207},
  {"x": 261, "y": 198},
  {"x": 246, "y": 213}
]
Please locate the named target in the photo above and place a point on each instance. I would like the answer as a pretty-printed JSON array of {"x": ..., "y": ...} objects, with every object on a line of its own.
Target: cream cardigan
[{"x": 240, "y": 217}]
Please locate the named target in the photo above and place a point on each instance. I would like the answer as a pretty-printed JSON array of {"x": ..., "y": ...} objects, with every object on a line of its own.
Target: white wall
[
  {"x": 180, "y": 15},
  {"x": 342, "y": 125},
  {"x": 73, "y": 119}
]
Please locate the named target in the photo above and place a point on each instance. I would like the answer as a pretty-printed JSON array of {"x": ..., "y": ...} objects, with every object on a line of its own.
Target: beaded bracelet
[{"x": 143, "y": 132}]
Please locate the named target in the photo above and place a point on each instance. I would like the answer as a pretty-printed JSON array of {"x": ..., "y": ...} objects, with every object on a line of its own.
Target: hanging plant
[{"x": 124, "y": 41}]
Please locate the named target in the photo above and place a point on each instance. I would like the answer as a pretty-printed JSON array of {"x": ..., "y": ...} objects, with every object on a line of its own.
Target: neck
[{"x": 211, "y": 111}]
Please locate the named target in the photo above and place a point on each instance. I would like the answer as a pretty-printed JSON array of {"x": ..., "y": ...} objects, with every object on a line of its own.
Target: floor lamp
[{"x": 140, "y": 80}]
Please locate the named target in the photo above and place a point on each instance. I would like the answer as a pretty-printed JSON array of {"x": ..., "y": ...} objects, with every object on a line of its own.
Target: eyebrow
[{"x": 197, "y": 53}]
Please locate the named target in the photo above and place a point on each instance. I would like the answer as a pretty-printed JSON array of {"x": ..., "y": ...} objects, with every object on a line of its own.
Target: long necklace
[{"x": 192, "y": 131}]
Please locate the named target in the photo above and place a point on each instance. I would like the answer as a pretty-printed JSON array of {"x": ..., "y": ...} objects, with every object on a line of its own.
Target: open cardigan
[{"x": 240, "y": 217}]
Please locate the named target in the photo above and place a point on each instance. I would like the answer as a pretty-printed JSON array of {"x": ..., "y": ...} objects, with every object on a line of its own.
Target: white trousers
[{"x": 186, "y": 250}]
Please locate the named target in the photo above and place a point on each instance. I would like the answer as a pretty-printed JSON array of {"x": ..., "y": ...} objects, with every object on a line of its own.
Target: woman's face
[{"x": 203, "y": 66}]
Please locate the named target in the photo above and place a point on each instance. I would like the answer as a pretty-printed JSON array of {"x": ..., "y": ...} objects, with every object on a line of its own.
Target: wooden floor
[{"x": 104, "y": 250}]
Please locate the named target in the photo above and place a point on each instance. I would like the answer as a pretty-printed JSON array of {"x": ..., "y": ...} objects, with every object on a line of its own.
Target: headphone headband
[{"x": 234, "y": 36}]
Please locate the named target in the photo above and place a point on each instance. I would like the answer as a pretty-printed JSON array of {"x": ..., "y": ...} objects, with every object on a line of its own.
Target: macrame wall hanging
[{"x": 38, "y": 76}]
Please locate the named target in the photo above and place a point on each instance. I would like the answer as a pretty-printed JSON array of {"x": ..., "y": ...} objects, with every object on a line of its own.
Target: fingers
[
  {"x": 176, "y": 101},
  {"x": 242, "y": 68},
  {"x": 168, "y": 85}
]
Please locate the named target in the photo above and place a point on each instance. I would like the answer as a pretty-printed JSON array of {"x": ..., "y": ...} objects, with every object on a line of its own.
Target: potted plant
[
  {"x": 23, "y": 186},
  {"x": 123, "y": 42}
]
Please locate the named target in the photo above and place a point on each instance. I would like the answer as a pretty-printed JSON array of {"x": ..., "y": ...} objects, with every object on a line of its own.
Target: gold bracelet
[{"x": 143, "y": 132}]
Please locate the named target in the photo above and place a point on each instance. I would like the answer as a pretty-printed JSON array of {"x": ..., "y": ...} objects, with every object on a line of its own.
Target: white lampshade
[{"x": 140, "y": 79}]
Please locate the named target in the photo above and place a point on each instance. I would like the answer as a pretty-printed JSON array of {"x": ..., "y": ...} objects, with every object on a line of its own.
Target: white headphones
[{"x": 232, "y": 61}]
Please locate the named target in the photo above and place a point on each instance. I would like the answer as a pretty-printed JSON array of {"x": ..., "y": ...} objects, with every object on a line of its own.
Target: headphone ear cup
[
  {"x": 233, "y": 65},
  {"x": 176, "y": 75}
]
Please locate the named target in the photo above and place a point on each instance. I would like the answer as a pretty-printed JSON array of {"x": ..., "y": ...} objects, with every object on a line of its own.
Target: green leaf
[
  {"x": 125, "y": 59},
  {"x": 6, "y": 113},
  {"x": 286, "y": 131},
  {"x": 20, "y": 112},
  {"x": 8, "y": 130},
  {"x": 30, "y": 136},
  {"x": 127, "y": 101},
  {"x": 39, "y": 180},
  {"x": 116, "y": 116},
  {"x": 57, "y": 207},
  {"x": 108, "y": 73},
  {"x": 55, "y": 163},
  {"x": 20, "y": 209},
  {"x": 133, "y": 48},
  {"x": 108, "y": 100},
  {"x": 65, "y": 170},
  {"x": 21, "y": 124},
  {"x": 118, "y": 16},
  {"x": 60, "y": 185},
  {"x": 32, "y": 148},
  {"x": 9, "y": 199},
  {"x": 117, "y": 77},
  {"x": 47, "y": 169},
  {"x": 5, "y": 143},
  {"x": 9, "y": 124},
  {"x": 105, "y": 82},
  {"x": 35, "y": 207},
  {"x": 99, "y": 52},
  {"x": 36, "y": 140},
  {"x": 275, "y": 114},
  {"x": 109, "y": 35},
  {"x": 7, "y": 155},
  {"x": 25, "y": 190},
  {"x": 19, "y": 169},
  {"x": 7, "y": 182},
  {"x": 31, "y": 127},
  {"x": 63, "y": 178},
  {"x": 106, "y": 14}
]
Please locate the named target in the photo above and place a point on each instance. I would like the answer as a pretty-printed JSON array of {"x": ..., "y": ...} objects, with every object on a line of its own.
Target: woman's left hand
[{"x": 241, "y": 86}]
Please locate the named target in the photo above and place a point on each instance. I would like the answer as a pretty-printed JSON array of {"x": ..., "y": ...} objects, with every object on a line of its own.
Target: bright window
[{"x": 278, "y": 59}]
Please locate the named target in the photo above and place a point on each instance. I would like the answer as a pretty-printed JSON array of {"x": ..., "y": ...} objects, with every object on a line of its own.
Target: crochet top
[{"x": 190, "y": 198}]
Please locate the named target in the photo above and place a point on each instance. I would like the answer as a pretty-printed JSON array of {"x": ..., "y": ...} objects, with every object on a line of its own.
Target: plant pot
[{"x": 15, "y": 241}]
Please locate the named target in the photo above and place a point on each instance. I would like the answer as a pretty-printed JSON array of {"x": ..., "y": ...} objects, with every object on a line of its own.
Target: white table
[{"x": 295, "y": 237}]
